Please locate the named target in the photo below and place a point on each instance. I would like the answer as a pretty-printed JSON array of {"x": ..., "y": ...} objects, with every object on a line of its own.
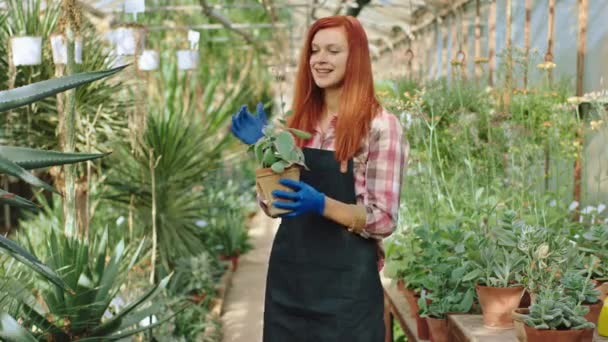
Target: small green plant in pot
[
  {"x": 497, "y": 269},
  {"x": 582, "y": 290},
  {"x": 278, "y": 157},
  {"x": 556, "y": 316}
]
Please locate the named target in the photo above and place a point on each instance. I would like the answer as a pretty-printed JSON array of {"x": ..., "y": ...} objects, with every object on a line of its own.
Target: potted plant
[
  {"x": 497, "y": 270},
  {"x": 188, "y": 59},
  {"x": 277, "y": 156},
  {"x": 595, "y": 242},
  {"x": 195, "y": 276},
  {"x": 445, "y": 293},
  {"x": 582, "y": 290},
  {"x": 232, "y": 237},
  {"x": 557, "y": 317}
]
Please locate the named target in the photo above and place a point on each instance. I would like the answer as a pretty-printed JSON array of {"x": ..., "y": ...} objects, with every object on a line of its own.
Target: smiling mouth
[{"x": 322, "y": 71}]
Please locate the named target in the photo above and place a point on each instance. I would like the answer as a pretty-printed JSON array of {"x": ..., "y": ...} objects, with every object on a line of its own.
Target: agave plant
[{"x": 95, "y": 282}]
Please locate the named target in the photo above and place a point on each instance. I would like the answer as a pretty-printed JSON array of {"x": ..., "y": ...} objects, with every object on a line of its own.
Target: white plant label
[
  {"x": 135, "y": 6},
  {"x": 26, "y": 50},
  {"x": 194, "y": 37}
]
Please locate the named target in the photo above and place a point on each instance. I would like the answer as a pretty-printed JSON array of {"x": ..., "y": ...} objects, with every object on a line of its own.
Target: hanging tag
[
  {"x": 135, "y": 6},
  {"x": 194, "y": 37},
  {"x": 59, "y": 49}
]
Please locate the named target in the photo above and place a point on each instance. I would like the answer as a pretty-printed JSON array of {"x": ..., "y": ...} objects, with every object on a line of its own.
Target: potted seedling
[
  {"x": 595, "y": 242},
  {"x": 277, "y": 156},
  {"x": 582, "y": 290},
  {"x": 195, "y": 276},
  {"x": 556, "y": 317},
  {"x": 497, "y": 270}
]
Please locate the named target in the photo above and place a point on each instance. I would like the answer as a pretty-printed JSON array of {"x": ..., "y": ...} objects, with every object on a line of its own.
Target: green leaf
[
  {"x": 473, "y": 275},
  {"x": 115, "y": 321},
  {"x": 14, "y": 98},
  {"x": 284, "y": 144},
  {"x": 300, "y": 134},
  {"x": 8, "y": 167},
  {"x": 279, "y": 167},
  {"x": 11, "y": 331},
  {"x": 29, "y": 158},
  {"x": 32, "y": 262},
  {"x": 269, "y": 157},
  {"x": 16, "y": 201},
  {"x": 259, "y": 152}
]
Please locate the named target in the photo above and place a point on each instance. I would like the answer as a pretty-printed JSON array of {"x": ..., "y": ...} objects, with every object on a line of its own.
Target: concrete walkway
[{"x": 244, "y": 306}]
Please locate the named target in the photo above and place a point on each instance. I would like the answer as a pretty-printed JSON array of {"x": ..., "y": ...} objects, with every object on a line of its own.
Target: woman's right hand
[{"x": 248, "y": 128}]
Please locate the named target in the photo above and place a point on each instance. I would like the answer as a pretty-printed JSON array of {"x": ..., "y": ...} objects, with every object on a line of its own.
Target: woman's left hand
[{"x": 306, "y": 199}]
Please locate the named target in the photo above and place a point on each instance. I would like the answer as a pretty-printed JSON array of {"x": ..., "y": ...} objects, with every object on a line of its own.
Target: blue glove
[
  {"x": 305, "y": 199},
  {"x": 247, "y": 127}
]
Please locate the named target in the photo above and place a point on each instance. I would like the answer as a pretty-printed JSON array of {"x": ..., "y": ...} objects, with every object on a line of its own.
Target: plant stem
[{"x": 69, "y": 206}]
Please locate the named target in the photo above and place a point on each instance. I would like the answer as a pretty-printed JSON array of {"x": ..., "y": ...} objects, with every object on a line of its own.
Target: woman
[{"x": 323, "y": 282}]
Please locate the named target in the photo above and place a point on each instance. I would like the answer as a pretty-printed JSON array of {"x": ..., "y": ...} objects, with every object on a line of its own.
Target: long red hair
[{"x": 358, "y": 103}]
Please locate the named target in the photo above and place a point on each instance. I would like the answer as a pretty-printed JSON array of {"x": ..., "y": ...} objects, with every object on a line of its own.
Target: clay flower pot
[
  {"x": 412, "y": 297},
  {"x": 267, "y": 181},
  {"x": 234, "y": 260},
  {"x": 594, "y": 312},
  {"x": 603, "y": 288},
  {"x": 497, "y": 303},
  {"x": 518, "y": 316},
  {"x": 438, "y": 328},
  {"x": 534, "y": 335},
  {"x": 197, "y": 297}
]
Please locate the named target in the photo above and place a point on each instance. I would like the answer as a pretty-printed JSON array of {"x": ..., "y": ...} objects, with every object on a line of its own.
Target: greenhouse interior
[{"x": 304, "y": 170}]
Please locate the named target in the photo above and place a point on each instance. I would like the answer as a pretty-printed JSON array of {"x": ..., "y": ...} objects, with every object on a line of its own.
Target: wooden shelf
[{"x": 462, "y": 328}]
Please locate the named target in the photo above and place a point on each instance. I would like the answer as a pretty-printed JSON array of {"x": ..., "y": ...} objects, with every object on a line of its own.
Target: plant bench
[{"x": 396, "y": 308}]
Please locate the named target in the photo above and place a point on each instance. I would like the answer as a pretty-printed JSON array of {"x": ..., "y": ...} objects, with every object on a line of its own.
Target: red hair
[{"x": 358, "y": 103}]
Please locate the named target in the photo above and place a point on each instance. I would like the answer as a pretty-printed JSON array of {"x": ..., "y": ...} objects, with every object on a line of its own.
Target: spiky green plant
[{"x": 553, "y": 310}]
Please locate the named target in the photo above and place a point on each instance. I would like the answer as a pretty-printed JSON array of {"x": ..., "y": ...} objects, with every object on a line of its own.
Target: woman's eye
[{"x": 334, "y": 52}]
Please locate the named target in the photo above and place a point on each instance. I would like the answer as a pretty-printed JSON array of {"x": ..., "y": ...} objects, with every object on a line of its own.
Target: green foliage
[
  {"x": 580, "y": 288},
  {"x": 595, "y": 242},
  {"x": 556, "y": 311},
  {"x": 277, "y": 149},
  {"x": 196, "y": 274},
  {"x": 95, "y": 273}
]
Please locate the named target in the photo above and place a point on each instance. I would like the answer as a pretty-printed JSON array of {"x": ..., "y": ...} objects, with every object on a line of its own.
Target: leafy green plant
[
  {"x": 556, "y": 311},
  {"x": 446, "y": 292},
  {"x": 595, "y": 242},
  {"x": 230, "y": 236},
  {"x": 580, "y": 288},
  {"x": 95, "y": 273},
  {"x": 196, "y": 273},
  {"x": 277, "y": 149}
]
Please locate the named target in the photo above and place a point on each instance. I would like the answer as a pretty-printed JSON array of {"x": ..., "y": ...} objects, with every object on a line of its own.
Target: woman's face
[{"x": 329, "y": 53}]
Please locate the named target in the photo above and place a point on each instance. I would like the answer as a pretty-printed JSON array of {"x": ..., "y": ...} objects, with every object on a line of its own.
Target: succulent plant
[
  {"x": 580, "y": 288},
  {"x": 277, "y": 149},
  {"x": 554, "y": 310}
]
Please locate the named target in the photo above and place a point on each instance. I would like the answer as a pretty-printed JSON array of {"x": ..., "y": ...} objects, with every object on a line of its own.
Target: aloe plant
[
  {"x": 95, "y": 273},
  {"x": 595, "y": 242},
  {"x": 277, "y": 149}
]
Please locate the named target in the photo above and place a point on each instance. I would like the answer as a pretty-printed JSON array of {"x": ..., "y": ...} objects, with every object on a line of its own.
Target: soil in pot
[
  {"x": 518, "y": 316},
  {"x": 534, "y": 335},
  {"x": 438, "y": 328},
  {"x": 594, "y": 312},
  {"x": 497, "y": 303},
  {"x": 234, "y": 260},
  {"x": 526, "y": 300},
  {"x": 267, "y": 181}
]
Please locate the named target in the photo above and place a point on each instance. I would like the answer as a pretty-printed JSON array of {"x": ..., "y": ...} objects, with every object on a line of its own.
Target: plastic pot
[
  {"x": 59, "y": 48},
  {"x": 26, "y": 50},
  {"x": 149, "y": 60},
  {"x": 187, "y": 59}
]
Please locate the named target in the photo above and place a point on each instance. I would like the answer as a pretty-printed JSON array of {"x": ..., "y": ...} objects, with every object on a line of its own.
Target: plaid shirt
[{"x": 379, "y": 166}]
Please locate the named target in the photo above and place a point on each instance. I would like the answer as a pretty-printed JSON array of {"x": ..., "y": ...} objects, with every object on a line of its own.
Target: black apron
[{"x": 323, "y": 283}]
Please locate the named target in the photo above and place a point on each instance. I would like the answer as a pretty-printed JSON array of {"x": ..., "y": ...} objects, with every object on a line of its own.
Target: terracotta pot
[
  {"x": 197, "y": 297},
  {"x": 412, "y": 299},
  {"x": 234, "y": 260},
  {"x": 526, "y": 300},
  {"x": 267, "y": 181},
  {"x": 518, "y": 316},
  {"x": 594, "y": 312},
  {"x": 497, "y": 303},
  {"x": 534, "y": 335},
  {"x": 438, "y": 328}
]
